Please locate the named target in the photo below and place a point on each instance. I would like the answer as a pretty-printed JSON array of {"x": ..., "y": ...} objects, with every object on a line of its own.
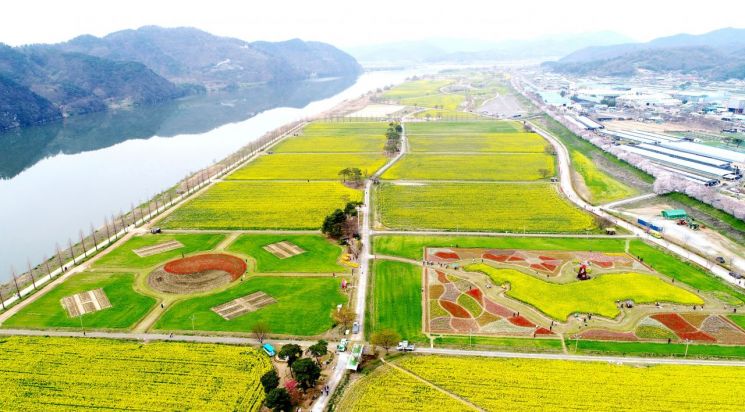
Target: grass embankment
[
  {"x": 597, "y": 296},
  {"x": 125, "y": 257},
  {"x": 319, "y": 254},
  {"x": 127, "y": 306},
  {"x": 489, "y": 207},
  {"x": 397, "y": 299}
]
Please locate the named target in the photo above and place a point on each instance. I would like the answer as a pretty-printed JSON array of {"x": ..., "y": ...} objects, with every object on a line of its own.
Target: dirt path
[
  {"x": 428, "y": 383},
  {"x": 229, "y": 239}
]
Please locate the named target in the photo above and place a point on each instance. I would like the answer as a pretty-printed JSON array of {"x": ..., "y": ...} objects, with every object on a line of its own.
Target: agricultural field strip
[{"x": 234, "y": 340}]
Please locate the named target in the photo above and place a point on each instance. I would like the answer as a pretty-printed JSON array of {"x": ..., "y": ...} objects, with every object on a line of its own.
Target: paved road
[
  {"x": 568, "y": 189},
  {"x": 611, "y": 205}
]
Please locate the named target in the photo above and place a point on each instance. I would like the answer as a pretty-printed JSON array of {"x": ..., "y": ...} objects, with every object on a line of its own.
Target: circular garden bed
[{"x": 196, "y": 274}]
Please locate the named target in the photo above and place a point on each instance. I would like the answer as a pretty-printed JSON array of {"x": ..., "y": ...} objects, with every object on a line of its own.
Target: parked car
[
  {"x": 720, "y": 260},
  {"x": 268, "y": 349},
  {"x": 155, "y": 230},
  {"x": 735, "y": 275},
  {"x": 342, "y": 346},
  {"x": 405, "y": 346},
  {"x": 356, "y": 327}
]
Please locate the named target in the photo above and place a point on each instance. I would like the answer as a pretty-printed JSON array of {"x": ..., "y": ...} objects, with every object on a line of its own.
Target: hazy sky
[{"x": 351, "y": 23}]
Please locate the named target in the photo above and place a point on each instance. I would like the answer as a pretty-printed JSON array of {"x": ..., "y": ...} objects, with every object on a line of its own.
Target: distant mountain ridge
[
  {"x": 459, "y": 50},
  {"x": 718, "y": 55},
  {"x": 41, "y": 83}
]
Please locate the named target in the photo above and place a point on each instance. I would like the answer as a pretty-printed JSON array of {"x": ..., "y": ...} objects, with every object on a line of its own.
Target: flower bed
[{"x": 201, "y": 263}]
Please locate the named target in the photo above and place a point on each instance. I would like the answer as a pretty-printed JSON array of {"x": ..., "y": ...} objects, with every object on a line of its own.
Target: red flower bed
[
  {"x": 496, "y": 309},
  {"x": 498, "y": 258},
  {"x": 447, "y": 255},
  {"x": 476, "y": 293},
  {"x": 550, "y": 267},
  {"x": 441, "y": 277},
  {"x": 698, "y": 335},
  {"x": 520, "y": 321},
  {"x": 603, "y": 264},
  {"x": 200, "y": 263},
  {"x": 455, "y": 309},
  {"x": 675, "y": 322},
  {"x": 537, "y": 266},
  {"x": 515, "y": 258},
  {"x": 464, "y": 325},
  {"x": 602, "y": 334},
  {"x": 546, "y": 258},
  {"x": 542, "y": 332}
]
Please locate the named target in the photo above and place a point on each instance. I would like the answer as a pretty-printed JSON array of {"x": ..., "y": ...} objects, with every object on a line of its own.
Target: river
[{"x": 59, "y": 178}]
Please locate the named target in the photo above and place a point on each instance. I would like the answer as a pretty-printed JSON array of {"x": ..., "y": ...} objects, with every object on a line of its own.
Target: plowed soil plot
[{"x": 196, "y": 273}]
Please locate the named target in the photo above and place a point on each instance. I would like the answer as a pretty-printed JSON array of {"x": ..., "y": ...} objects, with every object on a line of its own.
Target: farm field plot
[
  {"x": 597, "y": 295},
  {"x": 262, "y": 205},
  {"x": 397, "y": 298},
  {"x": 529, "y": 384},
  {"x": 303, "y": 306},
  {"x": 509, "y": 167},
  {"x": 603, "y": 188},
  {"x": 62, "y": 374},
  {"x": 470, "y": 206},
  {"x": 127, "y": 306},
  {"x": 389, "y": 389},
  {"x": 434, "y": 114},
  {"x": 319, "y": 255},
  {"x": 307, "y": 166},
  {"x": 125, "y": 257},
  {"x": 443, "y": 101},
  {"x": 460, "y": 128},
  {"x": 416, "y": 88},
  {"x": 336, "y": 137},
  {"x": 509, "y": 142},
  {"x": 412, "y": 246}
]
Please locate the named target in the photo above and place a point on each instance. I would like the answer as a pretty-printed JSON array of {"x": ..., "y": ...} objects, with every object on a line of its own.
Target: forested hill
[
  {"x": 193, "y": 56},
  {"x": 41, "y": 83},
  {"x": 717, "y": 55}
]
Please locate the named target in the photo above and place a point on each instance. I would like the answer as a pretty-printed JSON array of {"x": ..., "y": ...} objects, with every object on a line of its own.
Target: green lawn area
[
  {"x": 303, "y": 307},
  {"x": 412, "y": 246},
  {"x": 498, "y": 343},
  {"x": 124, "y": 257},
  {"x": 597, "y": 295},
  {"x": 507, "y": 167},
  {"x": 655, "y": 349},
  {"x": 319, "y": 256},
  {"x": 684, "y": 272},
  {"x": 509, "y": 142},
  {"x": 464, "y": 127},
  {"x": 262, "y": 205},
  {"x": 127, "y": 306},
  {"x": 436, "y": 101},
  {"x": 416, "y": 88},
  {"x": 397, "y": 299},
  {"x": 307, "y": 166},
  {"x": 336, "y": 137},
  {"x": 738, "y": 319},
  {"x": 602, "y": 186},
  {"x": 515, "y": 207}
]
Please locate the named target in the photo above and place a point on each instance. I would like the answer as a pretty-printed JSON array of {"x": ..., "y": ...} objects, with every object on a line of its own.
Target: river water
[{"x": 59, "y": 178}]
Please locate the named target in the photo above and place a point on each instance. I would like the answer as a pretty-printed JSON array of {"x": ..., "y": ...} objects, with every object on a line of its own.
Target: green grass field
[
  {"x": 397, "y": 299},
  {"x": 449, "y": 102},
  {"x": 262, "y": 205},
  {"x": 738, "y": 319},
  {"x": 412, "y": 246},
  {"x": 66, "y": 374},
  {"x": 303, "y": 307},
  {"x": 507, "y": 142},
  {"x": 336, "y": 137},
  {"x": 416, "y": 88},
  {"x": 435, "y": 114},
  {"x": 507, "y": 167},
  {"x": 320, "y": 256},
  {"x": 515, "y": 207},
  {"x": 500, "y": 343},
  {"x": 687, "y": 273},
  {"x": 124, "y": 257},
  {"x": 597, "y": 296},
  {"x": 654, "y": 349},
  {"x": 603, "y": 188},
  {"x": 461, "y": 128},
  {"x": 127, "y": 306},
  {"x": 307, "y": 166}
]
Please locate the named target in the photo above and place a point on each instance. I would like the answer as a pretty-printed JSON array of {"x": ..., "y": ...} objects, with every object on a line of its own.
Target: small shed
[{"x": 674, "y": 214}]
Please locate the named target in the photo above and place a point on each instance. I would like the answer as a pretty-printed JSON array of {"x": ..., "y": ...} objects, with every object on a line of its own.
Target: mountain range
[
  {"x": 41, "y": 83},
  {"x": 446, "y": 50},
  {"x": 718, "y": 55}
]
